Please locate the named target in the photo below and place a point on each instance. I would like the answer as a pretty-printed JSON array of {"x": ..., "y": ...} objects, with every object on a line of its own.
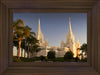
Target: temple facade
[{"x": 68, "y": 45}]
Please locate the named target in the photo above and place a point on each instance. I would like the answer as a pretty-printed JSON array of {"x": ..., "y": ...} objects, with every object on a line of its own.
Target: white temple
[
  {"x": 69, "y": 45},
  {"x": 70, "y": 41}
]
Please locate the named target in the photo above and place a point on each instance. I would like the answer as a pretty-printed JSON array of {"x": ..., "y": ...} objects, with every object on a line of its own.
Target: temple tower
[
  {"x": 70, "y": 40},
  {"x": 39, "y": 34}
]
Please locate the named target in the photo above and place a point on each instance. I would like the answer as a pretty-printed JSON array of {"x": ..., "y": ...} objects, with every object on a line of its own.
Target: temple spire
[
  {"x": 39, "y": 28},
  {"x": 39, "y": 33},
  {"x": 70, "y": 29}
]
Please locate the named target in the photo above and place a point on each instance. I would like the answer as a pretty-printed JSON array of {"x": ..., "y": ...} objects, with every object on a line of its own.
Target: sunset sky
[{"x": 55, "y": 26}]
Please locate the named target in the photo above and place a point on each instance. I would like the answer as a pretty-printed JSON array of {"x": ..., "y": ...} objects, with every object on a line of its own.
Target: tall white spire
[
  {"x": 70, "y": 40},
  {"x": 70, "y": 36},
  {"x": 70, "y": 29},
  {"x": 39, "y": 28},
  {"x": 39, "y": 34}
]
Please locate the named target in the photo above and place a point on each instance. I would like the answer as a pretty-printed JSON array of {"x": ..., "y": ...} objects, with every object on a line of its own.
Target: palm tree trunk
[
  {"x": 28, "y": 51},
  {"x": 31, "y": 51},
  {"x": 19, "y": 49},
  {"x": 25, "y": 48}
]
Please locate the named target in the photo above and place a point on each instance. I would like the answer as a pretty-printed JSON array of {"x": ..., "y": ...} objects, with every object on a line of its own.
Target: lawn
[{"x": 60, "y": 59}]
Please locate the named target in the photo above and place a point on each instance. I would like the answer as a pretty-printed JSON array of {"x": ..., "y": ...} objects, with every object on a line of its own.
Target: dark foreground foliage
[
  {"x": 43, "y": 58},
  {"x": 68, "y": 55},
  {"x": 51, "y": 55}
]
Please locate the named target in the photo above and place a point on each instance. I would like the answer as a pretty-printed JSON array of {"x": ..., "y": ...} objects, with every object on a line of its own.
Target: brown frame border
[{"x": 93, "y": 29}]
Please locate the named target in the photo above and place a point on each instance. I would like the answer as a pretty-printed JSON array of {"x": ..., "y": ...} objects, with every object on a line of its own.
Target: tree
[
  {"x": 32, "y": 44},
  {"x": 36, "y": 48},
  {"x": 22, "y": 46},
  {"x": 18, "y": 31},
  {"x": 42, "y": 58},
  {"x": 51, "y": 55},
  {"x": 84, "y": 49},
  {"x": 27, "y": 33},
  {"x": 68, "y": 55},
  {"x": 24, "y": 37}
]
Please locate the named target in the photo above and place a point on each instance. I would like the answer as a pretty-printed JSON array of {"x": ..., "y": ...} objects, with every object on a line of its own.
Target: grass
[
  {"x": 60, "y": 59},
  {"x": 22, "y": 59}
]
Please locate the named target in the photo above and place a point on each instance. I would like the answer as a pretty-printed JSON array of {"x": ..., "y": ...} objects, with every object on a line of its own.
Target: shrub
[
  {"x": 76, "y": 59},
  {"x": 15, "y": 59},
  {"x": 68, "y": 55},
  {"x": 42, "y": 58},
  {"x": 51, "y": 55},
  {"x": 84, "y": 60},
  {"x": 46, "y": 58}
]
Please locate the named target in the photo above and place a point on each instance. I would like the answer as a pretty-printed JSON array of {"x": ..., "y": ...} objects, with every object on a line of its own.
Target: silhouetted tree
[
  {"x": 68, "y": 55},
  {"x": 51, "y": 55}
]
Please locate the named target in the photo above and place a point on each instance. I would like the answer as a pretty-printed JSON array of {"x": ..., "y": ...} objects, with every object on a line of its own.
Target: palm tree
[
  {"x": 26, "y": 35},
  {"x": 36, "y": 48},
  {"x": 31, "y": 41},
  {"x": 34, "y": 44},
  {"x": 22, "y": 46},
  {"x": 18, "y": 31}
]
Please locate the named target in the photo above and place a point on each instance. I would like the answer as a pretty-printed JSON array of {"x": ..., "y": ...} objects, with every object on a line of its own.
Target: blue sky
[{"x": 55, "y": 26}]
